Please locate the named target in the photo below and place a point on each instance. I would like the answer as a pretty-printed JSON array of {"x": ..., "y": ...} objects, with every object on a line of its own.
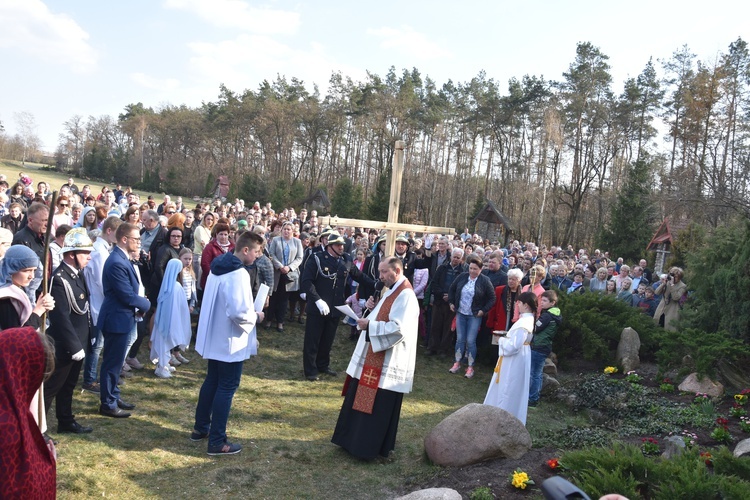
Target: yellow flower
[
  {"x": 610, "y": 369},
  {"x": 520, "y": 479}
]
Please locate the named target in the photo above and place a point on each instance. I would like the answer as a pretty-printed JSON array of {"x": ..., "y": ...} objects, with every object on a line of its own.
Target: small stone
[
  {"x": 550, "y": 385},
  {"x": 673, "y": 447},
  {"x": 742, "y": 448},
  {"x": 549, "y": 368},
  {"x": 432, "y": 494}
]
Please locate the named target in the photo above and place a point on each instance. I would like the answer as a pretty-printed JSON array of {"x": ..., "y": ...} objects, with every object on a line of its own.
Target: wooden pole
[
  {"x": 48, "y": 236},
  {"x": 397, "y": 174}
]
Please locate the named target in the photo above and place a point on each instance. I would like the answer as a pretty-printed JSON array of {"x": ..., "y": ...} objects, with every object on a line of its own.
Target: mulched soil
[{"x": 496, "y": 474}]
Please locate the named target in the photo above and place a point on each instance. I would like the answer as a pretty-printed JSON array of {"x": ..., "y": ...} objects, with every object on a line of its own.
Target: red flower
[
  {"x": 553, "y": 463},
  {"x": 722, "y": 422},
  {"x": 706, "y": 457}
]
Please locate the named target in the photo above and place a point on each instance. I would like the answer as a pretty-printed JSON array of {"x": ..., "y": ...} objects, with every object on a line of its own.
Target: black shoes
[
  {"x": 197, "y": 436},
  {"x": 73, "y": 428},
  {"x": 125, "y": 406},
  {"x": 116, "y": 413},
  {"x": 92, "y": 388},
  {"x": 312, "y": 378},
  {"x": 330, "y": 372},
  {"x": 224, "y": 449}
]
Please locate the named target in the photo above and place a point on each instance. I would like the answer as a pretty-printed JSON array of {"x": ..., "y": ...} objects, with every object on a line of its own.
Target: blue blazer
[{"x": 121, "y": 299}]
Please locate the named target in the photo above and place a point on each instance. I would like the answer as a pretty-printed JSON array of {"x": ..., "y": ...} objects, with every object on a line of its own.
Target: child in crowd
[
  {"x": 357, "y": 306},
  {"x": 188, "y": 280},
  {"x": 541, "y": 347},
  {"x": 171, "y": 320},
  {"x": 648, "y": 303}
]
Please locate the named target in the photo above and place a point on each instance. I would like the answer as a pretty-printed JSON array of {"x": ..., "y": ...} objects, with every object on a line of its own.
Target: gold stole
[{"x": 364, "y": 399}]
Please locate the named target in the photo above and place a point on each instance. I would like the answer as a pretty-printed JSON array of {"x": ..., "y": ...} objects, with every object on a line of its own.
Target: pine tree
[
  {"x": 377, "y": 207},
  {"x": 347, "y": 199},
  {"x": 631, "y": 223}
]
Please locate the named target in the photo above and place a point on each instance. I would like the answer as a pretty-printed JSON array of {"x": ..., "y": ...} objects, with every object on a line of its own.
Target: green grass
[
  {"x": 283, "y": 421},
  {"x": 11, "y": 169}
]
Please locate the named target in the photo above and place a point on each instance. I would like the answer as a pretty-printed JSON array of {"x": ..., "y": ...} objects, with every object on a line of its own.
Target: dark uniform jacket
[
  {"x": 325, "y": 277},
  {"x": 70, "y": 330}
]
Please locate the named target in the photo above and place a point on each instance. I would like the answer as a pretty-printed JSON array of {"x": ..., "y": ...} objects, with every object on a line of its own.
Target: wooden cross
[{"x": 392, "y": 226}]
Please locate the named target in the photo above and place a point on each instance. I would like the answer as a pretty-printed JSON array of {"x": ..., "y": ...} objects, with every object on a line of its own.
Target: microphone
[{"x": 375, "y": 297}]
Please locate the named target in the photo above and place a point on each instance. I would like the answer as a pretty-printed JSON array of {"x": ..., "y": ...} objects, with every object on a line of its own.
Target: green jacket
[{"x": 545, "y": 329}]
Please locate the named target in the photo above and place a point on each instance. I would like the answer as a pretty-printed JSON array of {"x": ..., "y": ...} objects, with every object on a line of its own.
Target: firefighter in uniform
[
  {"x": 70, "y": 328},
  {"x": 324, "y": 283}
]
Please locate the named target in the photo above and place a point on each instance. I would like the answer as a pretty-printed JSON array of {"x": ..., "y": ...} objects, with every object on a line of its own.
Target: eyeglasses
[
  {"x": 63, "y": 204},
  {"x": 136, "y": 238},
  {"x": 170, "y": 213}
]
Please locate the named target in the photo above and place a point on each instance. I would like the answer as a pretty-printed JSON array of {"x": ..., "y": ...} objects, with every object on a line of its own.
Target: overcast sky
[{"x": 92, "y": 57}]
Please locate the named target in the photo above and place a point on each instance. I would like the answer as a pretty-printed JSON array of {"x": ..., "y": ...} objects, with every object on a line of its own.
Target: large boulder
[
  {"x": 476, "y": 433},
  {"x": 432, "y": 494},
  {"x": 707, "y": 386},
  {"x": 628, "y": 350},
  {"x": 742, "y": 448}
]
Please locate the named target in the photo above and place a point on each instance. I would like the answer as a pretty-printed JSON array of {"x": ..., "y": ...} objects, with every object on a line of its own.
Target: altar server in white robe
[
  {"x": 509, "y": 387},
  {"x": 381, "y": 370}
]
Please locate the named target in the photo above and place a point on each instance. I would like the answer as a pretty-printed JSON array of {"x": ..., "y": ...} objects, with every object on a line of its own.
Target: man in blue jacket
[{"x": 117, "y": 316}]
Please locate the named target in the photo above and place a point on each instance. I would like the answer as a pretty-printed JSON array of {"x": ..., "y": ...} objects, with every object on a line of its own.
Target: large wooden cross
[{"x": 392, "y": 226}]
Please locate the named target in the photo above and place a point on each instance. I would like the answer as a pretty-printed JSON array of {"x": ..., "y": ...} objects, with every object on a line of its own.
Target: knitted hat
[{"x": 17, "y": 258}]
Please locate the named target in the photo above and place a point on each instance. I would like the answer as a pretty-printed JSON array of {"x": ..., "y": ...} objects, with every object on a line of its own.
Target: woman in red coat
[{"x": 219, "y": 244}]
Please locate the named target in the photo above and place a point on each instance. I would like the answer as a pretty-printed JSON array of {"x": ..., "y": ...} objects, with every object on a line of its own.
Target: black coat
[
  {"x": 70, "y": 331},
  {"x": 484, "y": 293}
]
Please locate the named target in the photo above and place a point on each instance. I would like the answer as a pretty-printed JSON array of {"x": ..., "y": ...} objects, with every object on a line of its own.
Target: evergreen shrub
[
  {"x": 623, "y": 469},
  {"x": 592, "y": 324}
]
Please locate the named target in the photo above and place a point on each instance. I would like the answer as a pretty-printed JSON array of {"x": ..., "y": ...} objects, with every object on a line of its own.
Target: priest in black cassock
[{"x": 381, "y": 370}]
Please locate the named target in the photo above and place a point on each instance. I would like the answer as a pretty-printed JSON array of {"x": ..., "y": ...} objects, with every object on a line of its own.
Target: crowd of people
[{"x": 123, "y": 270}]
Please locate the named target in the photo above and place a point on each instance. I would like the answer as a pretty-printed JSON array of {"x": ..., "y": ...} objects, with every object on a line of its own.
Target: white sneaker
[
  {"x": 126, "y": 367},
  {"x": 174, "y": 361},
  {"x": 172, "y": 369},
  {"x": 182, "y": 359},
  {"x": 162, "y": 372}
]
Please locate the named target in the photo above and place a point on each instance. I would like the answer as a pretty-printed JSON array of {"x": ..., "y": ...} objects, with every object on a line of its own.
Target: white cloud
[
  {"x": 239, "y": 14},
  {"x": 244, "y": 62},
  {"x": 407, "y": 41},
  {"x": 29, "y": 27},
  {"x": 150, "y": 82}
]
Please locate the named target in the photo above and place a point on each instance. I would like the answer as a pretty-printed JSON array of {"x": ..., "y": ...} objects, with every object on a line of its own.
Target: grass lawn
[
  {"x": 283, "y": 421},
  {"x": 11, "y": 169}
]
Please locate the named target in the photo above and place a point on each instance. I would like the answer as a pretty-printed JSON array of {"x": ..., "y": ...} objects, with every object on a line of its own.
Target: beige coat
[{"x": 670, "y": 304}]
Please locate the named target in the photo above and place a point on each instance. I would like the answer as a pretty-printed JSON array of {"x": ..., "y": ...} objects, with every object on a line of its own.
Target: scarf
[
  {"x": 27, "y": 470},
  {"x": 364, "y": 399}
]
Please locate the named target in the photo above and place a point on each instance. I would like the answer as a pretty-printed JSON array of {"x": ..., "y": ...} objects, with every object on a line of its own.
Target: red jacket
[{"x": 210, "y": 252}]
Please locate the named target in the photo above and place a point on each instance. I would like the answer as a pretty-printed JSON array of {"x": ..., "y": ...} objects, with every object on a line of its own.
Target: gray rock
[
  {"x": 733, "y": 376},
  {"x": 549, "y": 368},
  {"x": 674, "y": 446},
  {"x": 432, "y": 494},
  {"x": 706, "y": 385},
  {"x": 742, "y": 448},
  {"x": 476, "y": 433},
  {"x": 628, "y": 349},
  {"x": 550, "y": 385}
]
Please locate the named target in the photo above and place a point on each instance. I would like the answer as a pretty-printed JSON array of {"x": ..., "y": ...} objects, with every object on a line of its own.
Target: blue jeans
[
  {"x": 92, "y": 358},
  {"x": 537, "y": 365},
  {"x": 215, "y": 399},
  {"x": 467, "y": 329}
]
